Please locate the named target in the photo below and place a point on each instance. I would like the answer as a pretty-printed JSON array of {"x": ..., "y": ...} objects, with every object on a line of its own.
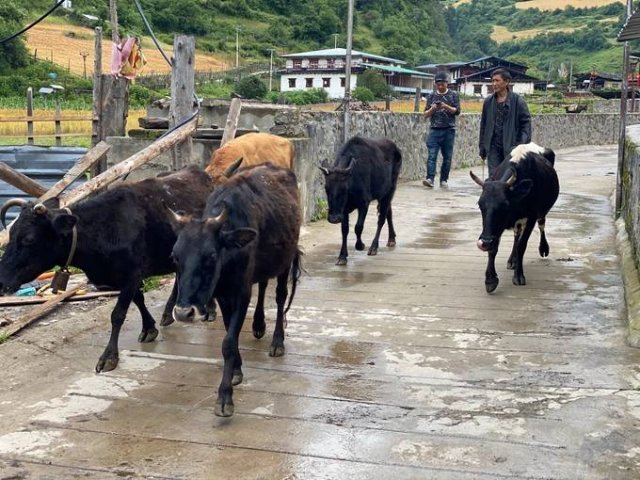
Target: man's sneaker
[
  {"x": 444, "y": 185},
  {"x": 428, "y": 182}
]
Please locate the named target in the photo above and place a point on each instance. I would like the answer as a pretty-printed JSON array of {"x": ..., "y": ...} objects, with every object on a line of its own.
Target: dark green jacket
[{"x": 517, "y": 126}]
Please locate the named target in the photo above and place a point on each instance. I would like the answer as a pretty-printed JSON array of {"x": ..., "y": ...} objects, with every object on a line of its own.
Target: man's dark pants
[{"x": 440, "y": 139}]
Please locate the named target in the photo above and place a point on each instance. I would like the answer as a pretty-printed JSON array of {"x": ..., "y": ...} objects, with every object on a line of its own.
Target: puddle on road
[{"x": 441, "y": 231}]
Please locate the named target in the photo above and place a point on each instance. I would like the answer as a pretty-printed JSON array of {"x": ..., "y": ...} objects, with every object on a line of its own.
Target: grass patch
[
  {"x": 151, "y": 283},
  {"x": 3, "y": 337},
  {"x": 321, "y": 210}
]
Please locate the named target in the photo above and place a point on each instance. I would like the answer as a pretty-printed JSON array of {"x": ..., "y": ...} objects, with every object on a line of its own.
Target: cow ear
[
  {"x": 521, "y": 189},
  {"x": 64, "y": 222},
  {"x": 238, "y": 238}
]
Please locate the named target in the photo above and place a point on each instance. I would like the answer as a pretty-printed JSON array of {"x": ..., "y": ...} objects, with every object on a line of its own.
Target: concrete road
[{"x": 398, "y": 366}]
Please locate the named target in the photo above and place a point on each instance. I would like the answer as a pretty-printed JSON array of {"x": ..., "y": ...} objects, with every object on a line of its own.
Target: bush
[
  {"x": 300, "y": 97},
  {"x": 363, "y": 94},
  {"x": 375, "y": 82},
  {"x": 251, "y": 87}
]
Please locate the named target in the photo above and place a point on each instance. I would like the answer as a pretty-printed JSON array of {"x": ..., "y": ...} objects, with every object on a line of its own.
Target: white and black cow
[{"x": 520, "y": 192}]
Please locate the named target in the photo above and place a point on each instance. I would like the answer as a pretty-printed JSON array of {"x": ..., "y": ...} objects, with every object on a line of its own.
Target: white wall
[
  {"x": 518, "y": 87},
  {"x": 334, "y": 91}
]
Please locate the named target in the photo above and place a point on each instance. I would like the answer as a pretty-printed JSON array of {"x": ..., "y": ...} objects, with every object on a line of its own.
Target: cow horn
[
  {"x": 12, "y": 202},
  {"x": 324, "y": 170},
  {"x": 40, "y": 208},
  {"x": 220, "y": 219},
  {"x": 511, "y": 180},
  {"x": 476, "y": 179},
  {"x": 178, "y": 217},
  {"x": 231, "y": 169}
]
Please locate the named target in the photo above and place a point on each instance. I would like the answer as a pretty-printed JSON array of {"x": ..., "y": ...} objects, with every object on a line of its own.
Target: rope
[{"x": 11, "y": 37}]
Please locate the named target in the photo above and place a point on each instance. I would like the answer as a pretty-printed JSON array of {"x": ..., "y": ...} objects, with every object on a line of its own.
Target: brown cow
[{"x": 254, "y": 149}]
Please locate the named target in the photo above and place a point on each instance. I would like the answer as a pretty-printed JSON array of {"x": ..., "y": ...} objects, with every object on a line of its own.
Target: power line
[{"x": 11, "y": 37}]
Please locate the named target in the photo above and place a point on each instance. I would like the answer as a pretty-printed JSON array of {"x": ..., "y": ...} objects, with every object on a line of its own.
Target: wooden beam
[
  {"x": 38, "y": 312},
  {"x": 21, "y": 181},
  {"x": 182, "y": 94},
  {"x": 143, "y": 156},
  {"x": 232, "y": 121},
  {"x": 12, "y": 300}
]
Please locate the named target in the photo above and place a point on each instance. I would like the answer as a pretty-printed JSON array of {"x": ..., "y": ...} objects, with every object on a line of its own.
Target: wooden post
[
  {"x": 58, "y": 127},
  {"x": 232, "y": 121},
  {"x": 387, "y": 103},
  {"x": 113, "y": 13},
  {"x": 20, "y": 181},
  {"x": 30, "y": 116},
  {"x": 182, "y": 94},
  {"x": 416, "y": 105},
  {"x": 97, "y": 92}
]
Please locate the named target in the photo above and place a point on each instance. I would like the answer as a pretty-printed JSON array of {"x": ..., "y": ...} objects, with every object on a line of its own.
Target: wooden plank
[
  {"x": 13, "y": 301},
  {"x": 232, "y": 121},
  {"x": 20, "y": 181},
  {"x": 97, "y": 90},
  {"x": 182, "y": 94},
  {"x": 140, "y": 158},
  {"x": 44, "y": 135},
  {"x": 38, "y": 312},
  {"x": 62, "y": 118},
  {"x": 58, "y": 126},
  {"x": 81, "y": 166}
]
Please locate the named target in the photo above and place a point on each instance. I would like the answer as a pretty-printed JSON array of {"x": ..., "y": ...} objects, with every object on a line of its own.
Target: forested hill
[{"x": 418, "y": 31}]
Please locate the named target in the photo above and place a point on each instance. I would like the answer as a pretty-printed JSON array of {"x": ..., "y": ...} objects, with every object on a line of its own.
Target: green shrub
[
  {"x": 375, "y": 82},
  {"x": 363, "y": 94},
  {"x": 251, "y": 87}
]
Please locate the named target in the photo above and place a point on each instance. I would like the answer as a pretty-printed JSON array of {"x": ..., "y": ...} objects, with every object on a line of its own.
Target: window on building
[
  {"x": 331, "y": 62},
  {"x": 313, "y": 63},
  {"x": 343, "y": 81},
  {"x": 477, "y": 89},
  {"x": 326, "y": 82},
  {"x": 297, "y": 64},
  {"x": 308, "y": 82},
  {"x": 292, "y": 83}
]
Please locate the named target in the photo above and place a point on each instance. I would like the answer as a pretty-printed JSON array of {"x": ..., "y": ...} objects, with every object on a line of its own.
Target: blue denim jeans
[{"x": 440, "y": 139}]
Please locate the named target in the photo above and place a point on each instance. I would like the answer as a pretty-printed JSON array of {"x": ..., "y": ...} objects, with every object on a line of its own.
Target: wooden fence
[{"x": 57, "y": 120}]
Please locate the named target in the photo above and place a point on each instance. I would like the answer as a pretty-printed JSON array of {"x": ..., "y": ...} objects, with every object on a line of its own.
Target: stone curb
[{"x": 631, "y": 282}]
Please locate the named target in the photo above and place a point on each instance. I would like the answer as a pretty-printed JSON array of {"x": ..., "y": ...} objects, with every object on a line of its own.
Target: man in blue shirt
[{"x": 442, "y": 107}]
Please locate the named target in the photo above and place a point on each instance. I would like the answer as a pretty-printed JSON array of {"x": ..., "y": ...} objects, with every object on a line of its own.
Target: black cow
[
  {"x": 124, "y": 235},
  {"x": 248, "y": 234},
  {"x": 365, "y": 169},
  {"x": 521, "y": 190}
]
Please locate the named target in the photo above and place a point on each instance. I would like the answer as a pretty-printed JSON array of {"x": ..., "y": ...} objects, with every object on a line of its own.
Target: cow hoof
[
  {"x": 106, "y": 364},
  {"x": 491, "y": 285},
  {"x": 210, "y": 316},
  {"x": 511, "y": 265},
  {"x": 519, "y": 280},
  {"x": 373, "y": 251},
  {"x": 391, "y": 243},
  {"x": 359, "y": 246},
  {"x": 341, "y": 261},
  {"x": 276, "y": 351},
  {"x": 223, "y": 410},
  {"x": 543, "y": 250},
  {"x": 148, "y": 336},
  {"x": 237, "y": 377},
  {"x": 166, "y": 320},
  {"x": 259, "y": 333}
]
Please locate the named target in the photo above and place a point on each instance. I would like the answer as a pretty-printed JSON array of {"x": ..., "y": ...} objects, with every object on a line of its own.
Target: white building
[{"x": 326, "y": 69}]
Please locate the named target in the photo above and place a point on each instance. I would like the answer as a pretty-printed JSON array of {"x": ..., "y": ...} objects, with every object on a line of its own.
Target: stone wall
[{"x": 318, "y": 135}]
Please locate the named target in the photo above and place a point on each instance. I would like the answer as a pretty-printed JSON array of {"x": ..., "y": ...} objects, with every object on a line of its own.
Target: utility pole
[
  {"x": 347, "y": 76},
  {"x": 270, "y": 67},
  {"x": 335, "y": 40},
  {"x": 84, "y": 54},
  {"x": 237, "y": 46}
]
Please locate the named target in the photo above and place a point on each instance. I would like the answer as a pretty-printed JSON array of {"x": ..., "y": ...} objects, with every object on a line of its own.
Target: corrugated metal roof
[
  {"x": 631, "y": 28},
  {"x": 342, "y": 52},
  {"x": 45, "y": 165},
  {"x": 389, "y": 68}
]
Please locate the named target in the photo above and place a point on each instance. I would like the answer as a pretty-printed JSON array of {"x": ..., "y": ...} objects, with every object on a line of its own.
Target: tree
[
  {"x": 13, "y": 54},
  {"x": 251, "y": 87},
  {"x": 374, "y": 81}
]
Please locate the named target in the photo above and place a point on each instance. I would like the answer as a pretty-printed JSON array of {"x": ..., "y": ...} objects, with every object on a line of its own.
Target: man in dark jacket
[{"x": 505, "y": 123}]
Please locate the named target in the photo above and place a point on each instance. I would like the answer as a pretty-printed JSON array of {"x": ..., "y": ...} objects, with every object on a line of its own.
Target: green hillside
[{"x": 418, "y": 31}]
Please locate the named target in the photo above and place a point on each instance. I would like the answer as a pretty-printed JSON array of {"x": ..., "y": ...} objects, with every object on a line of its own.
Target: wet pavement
[{"x": 396, "y": 366}]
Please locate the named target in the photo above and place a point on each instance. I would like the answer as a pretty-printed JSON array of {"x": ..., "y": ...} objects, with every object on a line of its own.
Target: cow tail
[{"x": 296, "y": 272}]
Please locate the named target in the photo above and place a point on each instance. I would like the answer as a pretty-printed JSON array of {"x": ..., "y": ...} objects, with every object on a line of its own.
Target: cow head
[
  {"x": 496, "y": 201},
  {"x": 336, "y": 185},
  {"x": 39, "y": 239},
  {"x": 198, "y": 254}
]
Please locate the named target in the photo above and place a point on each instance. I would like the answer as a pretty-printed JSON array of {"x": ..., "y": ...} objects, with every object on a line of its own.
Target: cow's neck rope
[{"x": 74, "y": 243}]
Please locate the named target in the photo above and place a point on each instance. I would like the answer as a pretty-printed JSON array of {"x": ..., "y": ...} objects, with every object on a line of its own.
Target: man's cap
[{"x": 441, "y": 77}]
